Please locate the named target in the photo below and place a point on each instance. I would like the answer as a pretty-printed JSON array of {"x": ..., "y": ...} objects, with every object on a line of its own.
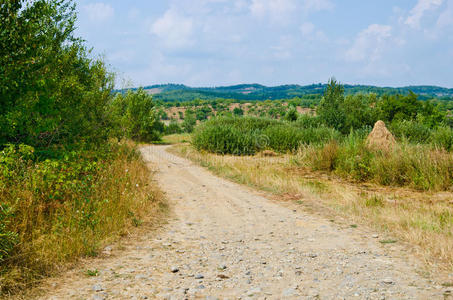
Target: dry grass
[
  {"x": 424, "y": 219},
  {"x": 53, "y": 234}
]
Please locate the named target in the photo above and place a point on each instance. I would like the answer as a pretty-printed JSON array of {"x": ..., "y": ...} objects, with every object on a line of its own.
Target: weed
[
  {"x": 374, "y": 201},
  {"x": 389, "y": 241},
  {"x": 92, "y": 273}
]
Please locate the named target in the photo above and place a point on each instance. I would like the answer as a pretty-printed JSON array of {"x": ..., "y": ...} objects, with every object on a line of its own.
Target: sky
[{"x": 272, "y": 42}]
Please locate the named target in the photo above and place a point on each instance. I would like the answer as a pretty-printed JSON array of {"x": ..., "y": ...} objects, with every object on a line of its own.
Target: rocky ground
[{"x": 225, "y": 241}]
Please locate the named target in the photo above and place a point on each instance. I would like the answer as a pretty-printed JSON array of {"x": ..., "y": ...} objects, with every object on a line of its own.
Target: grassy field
[
  {"x": 421, "y": 218},
  {"x": 176, "y": 138}
]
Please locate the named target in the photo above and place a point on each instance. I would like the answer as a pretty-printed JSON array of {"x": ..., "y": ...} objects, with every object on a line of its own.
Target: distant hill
[{"x": 179, "y": 92}]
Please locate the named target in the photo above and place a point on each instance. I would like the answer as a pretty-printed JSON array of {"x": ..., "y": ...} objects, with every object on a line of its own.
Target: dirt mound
[{"x": 380, "y": 138}]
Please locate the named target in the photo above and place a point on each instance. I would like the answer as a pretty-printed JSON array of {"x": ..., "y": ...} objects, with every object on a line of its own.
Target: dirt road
[{"x": 225, "y": 241}]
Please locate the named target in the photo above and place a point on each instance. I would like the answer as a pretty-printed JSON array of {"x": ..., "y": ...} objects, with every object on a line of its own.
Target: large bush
[
  {"x": 412, "y": 131},
  {"x": 442, "y": 137},
  {"x": 134, "y": 116},
  {"x": 247, "y": 135},
  {"x": 51, "y": 92}
]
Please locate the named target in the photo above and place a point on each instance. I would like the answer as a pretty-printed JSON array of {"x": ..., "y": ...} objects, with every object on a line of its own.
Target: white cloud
[
  {"x": 276, "y": 10},
  {"x": 99, "y": 12},
  {"x": 446, "y": 17},
  {"x": 422, "y": 6},
  {"x": 307, "y": 28},
  {"x": 174, "y": 29},
  {"x": 317, "y": 5},
  {"x": 369, "y": 43}
]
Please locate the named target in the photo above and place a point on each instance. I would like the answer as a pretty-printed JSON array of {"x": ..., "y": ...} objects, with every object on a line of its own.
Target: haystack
[{"x": 380, "y": 138}]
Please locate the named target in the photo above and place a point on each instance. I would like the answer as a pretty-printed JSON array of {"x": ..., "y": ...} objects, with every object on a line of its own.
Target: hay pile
[{"x": 380, "y": 138}]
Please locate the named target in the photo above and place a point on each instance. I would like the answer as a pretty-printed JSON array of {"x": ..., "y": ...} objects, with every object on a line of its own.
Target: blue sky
[{"x": 272, "y": 42}]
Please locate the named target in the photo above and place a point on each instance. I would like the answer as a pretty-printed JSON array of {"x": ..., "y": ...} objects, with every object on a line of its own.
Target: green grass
[
  {"x": 92, "y": 273},
  {"x": 176, "y": 138},
  {"x": 249, "y": 135}
]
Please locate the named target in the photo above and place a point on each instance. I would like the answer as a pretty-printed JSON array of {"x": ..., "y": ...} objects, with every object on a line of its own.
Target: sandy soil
[{"x": 226, "y": 241}]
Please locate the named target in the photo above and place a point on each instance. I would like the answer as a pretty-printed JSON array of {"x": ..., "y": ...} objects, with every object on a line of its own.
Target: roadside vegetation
[
  {"x": 70, "y": 178},
  {"x": 335, "y": 139},
  {"x": 325, "y": 160}
]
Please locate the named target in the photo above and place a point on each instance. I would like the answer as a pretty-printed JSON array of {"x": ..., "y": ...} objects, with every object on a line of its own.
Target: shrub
[
  {"x": 135, "y": 116},
  {"x": 442, "y": 137},
  {"x": 243, "y": 136},
  {"x": 225, "y": 139},
  {"x": 355, "y": 159},
  {"x": 8, "y": 239},
  {"x": 284, "y": 137},
  {"x": 413, "y": 131},
  {"x": 173, "y": 128},
  {"x": 308, "y": 121},
  {"x": 324, "y": 158}
]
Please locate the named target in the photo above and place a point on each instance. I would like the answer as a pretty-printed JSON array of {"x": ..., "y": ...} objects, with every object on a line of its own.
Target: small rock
[
  {"x": 375, "y": 236},
  {"x": 254, "y": 291},
  {"x": 97, "y": 288},
  {"x": 199, "y": 276},
  {"x": 248, "y": 273},
  {"x": 314, "y": 293},
  {"x": 312, "y": 255},
  {"x": 289, "y": 292},
  {"x": 201, "y": 287},
  {"x": 222, "y": 276},
  {"x": 388, "y": 281},
  {"x": 222, "y": 267},
  {"x": 174, "y": 269}
]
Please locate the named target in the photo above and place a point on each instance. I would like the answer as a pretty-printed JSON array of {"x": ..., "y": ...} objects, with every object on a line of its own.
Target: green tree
[
  {"x": 136, "y": 117},
  {"x": 173, "y": 127},
  {"x": 330, "y": 109},
  {"x": 291, "y": 115},
  {"x": 237, "y": 111},
  {"x": 398, "y": 107},
  {"x": 359, "y": 112},
  {"x": 189, "y": 121},
  {"x": 51, "y": 92}
]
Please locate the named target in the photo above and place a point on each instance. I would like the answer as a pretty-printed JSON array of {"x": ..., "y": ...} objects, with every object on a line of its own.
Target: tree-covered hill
[{"x": 179, "y": 92}]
